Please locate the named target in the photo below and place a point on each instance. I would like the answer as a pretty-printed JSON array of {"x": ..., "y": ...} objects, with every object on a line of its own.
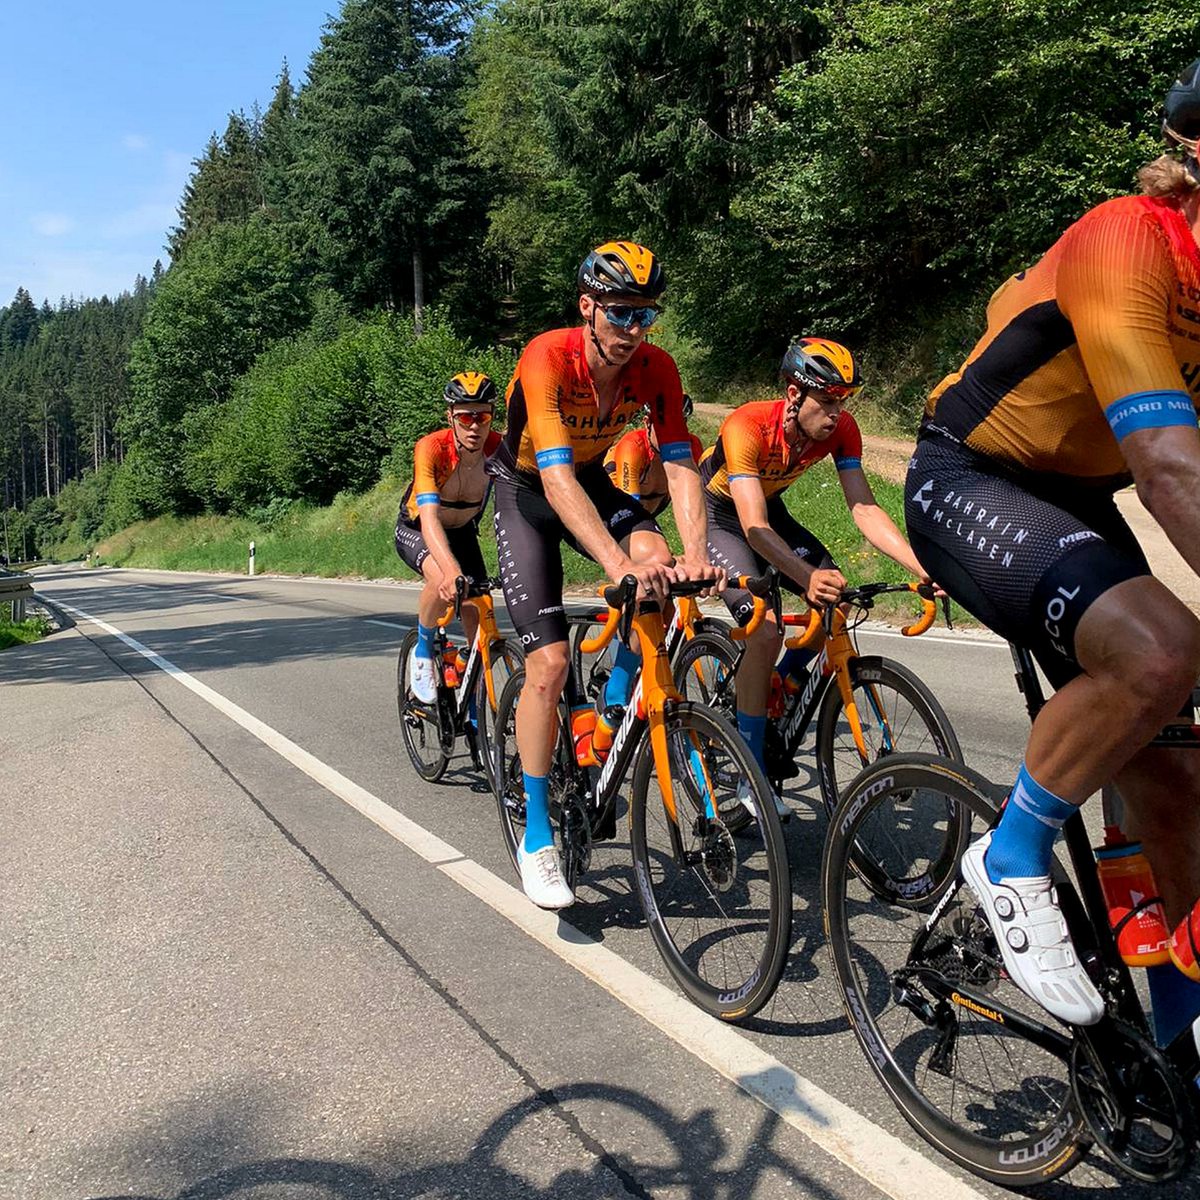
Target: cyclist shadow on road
[{"x": 582, "y": 1140}]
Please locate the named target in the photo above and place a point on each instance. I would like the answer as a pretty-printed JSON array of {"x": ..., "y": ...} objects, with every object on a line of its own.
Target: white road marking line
[
  {"x": 873, "y": 1153},
  {"x": 992, "y": 643},
  {"x": 389, "y": 624}
]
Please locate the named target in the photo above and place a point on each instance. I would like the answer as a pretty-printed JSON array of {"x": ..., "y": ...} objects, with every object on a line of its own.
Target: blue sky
[{"x": 107, "y": 105}]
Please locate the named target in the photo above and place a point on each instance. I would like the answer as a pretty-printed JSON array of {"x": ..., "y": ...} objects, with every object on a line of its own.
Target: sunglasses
[
  {"x": 623, "y": 316},
  {"x": 839, "y": 391},
  {"x": 467, "y": 419}
]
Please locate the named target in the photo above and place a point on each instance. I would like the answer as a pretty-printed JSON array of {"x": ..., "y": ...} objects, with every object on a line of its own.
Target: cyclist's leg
[
  {"x": 1040, "y": 572},
  {"x": 638, "y": 535},
  {"x": 414, "y": 553},
  {"x": 464, "y": 545},
  {"x": 528, "y": 537},
  {"x": 807, "y": 546}
]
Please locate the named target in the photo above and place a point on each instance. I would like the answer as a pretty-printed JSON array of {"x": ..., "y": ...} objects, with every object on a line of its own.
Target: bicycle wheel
[
  {"x": 923, "y": 985},
  {"x": 719, "y": 907},
  {"x": 704, "y": 674},
  {"x": 507, "y": 655},
  {"x": 897, "y": 713},
  {"x": 419, "y": 723}
]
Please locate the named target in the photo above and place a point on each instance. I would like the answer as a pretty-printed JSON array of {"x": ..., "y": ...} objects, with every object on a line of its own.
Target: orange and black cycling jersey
[
  {"x": 636, "y": 468},
  {"x": 435, "y": 458},
  {"x": 751, "y": 445},
  {"x": 553, "y": 416},
  {"x": 1098, "y": 339}
]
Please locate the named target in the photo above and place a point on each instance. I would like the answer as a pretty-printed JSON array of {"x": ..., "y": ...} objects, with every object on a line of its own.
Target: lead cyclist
[{"x": 1086, "y": 377}]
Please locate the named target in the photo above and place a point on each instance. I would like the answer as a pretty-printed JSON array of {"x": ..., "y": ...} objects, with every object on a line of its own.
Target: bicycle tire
[
  {"x": 419, "y": 727},
  {"x": 681, "y": 869},
  {"x": 713, "y": 687},
  {"x": 507, "y": 655},
  {"x": 1017, "y": 1126},
  {"x": 882, "y": 687}
]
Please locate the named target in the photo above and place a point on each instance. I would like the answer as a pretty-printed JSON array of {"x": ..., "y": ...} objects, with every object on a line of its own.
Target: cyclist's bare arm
[
  {"x": 821, "y": 586},
  {"x": 691, "y": 518},
  {"x": 434, "y": 533},
  {"x": 1166, "y": 468},
  {"x": 579, "y": 515},
  {"x": 874, "y": 523}
]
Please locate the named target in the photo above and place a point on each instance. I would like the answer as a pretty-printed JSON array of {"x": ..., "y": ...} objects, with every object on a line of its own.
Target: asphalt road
[{"x": 248, "y": 953}]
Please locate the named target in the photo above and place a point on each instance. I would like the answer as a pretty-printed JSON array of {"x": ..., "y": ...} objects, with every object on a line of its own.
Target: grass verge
[{"x": 21, "y": 633}]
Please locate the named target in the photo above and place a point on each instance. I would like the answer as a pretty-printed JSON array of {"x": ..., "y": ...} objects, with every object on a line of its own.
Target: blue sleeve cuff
[
  {"x": 745, "y": 475},
  {"x": 560, "y": 456},
  {"x": 848, "y": 464},
  {"x": 1150, "y": 410},
  {"x": 428, "y": 498},
  {"x": 676, "y": 451}
]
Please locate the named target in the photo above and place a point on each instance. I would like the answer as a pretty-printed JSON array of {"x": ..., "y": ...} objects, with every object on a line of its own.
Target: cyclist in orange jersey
[
  {"x": 634, "y": 464},
  {"x": 437, "y": 530},
  {"x": 761, "y": 449},
  {"x": 1086, "y": 377},
  {"x": 572, "y": 393}
]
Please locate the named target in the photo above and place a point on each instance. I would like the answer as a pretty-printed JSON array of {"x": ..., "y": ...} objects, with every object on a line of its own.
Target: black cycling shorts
[
  {"x": 1026, "y": 554},
  {"x": 728, "y": 548},
  {"x": 529, "y": 538},
  {"x": 464, "y": 545}
]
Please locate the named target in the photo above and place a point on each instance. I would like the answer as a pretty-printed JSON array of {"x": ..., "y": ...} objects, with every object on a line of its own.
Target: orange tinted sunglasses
[{"x": 473, "y": 418}]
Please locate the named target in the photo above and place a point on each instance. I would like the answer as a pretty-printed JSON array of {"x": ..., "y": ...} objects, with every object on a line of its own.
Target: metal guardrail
[{"x": 15, "y": 590}]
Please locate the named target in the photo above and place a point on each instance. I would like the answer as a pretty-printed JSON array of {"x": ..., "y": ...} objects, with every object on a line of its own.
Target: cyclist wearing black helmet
[
  {"x": 437, "y": 531},
  {"x": 573, "y": 392},
  {"x": 761, "y": 449},
  {"x": 1087, "y": 376}
]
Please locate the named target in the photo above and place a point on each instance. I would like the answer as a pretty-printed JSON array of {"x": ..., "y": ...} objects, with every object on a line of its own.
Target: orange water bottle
[
  {"x": 449, "y": 669},
  {"x": 606, "y": 725},
  {"x": 775, "y": 699},
  {"x": 583, "y": 725},
  {"x": 1184, "y": 947},
  {"x": 1135, "y": 909}
]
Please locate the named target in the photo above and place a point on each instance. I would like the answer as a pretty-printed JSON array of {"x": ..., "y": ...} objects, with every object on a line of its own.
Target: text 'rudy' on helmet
[{"x": 822, "y": 364}]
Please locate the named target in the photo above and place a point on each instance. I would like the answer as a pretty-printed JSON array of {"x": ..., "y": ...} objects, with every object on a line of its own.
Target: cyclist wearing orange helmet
[
  {"x": 573, "y": 392},
  {"x": 762, "y": 448},
  {"x": 437, "y": 530},
  {"x": 1087, "y": 376}
]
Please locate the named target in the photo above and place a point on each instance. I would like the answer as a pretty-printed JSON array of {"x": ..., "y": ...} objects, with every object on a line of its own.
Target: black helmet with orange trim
[
  {"x": 470, "y": 387},
  {"x": 622, "y": 269},
  {"x": 821, "y": 364},
  {"x": 1181, "y": 122}
]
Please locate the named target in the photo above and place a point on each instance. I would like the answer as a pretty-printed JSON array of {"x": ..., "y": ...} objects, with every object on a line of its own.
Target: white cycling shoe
[
  {"x": 542, "y": 878},
  {"x": 422, "y": 677},
  {"x": 745, "y": 797},
  {"x": 1029, "y": 928}
]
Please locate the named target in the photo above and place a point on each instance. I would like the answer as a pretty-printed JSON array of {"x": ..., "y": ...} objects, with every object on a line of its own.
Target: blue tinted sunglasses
[{"x": 623, "y": 316}]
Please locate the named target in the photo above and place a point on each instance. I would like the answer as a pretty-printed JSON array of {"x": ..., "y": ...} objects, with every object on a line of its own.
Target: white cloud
[
  {"x": 135, "y": 143},
  {"x": 52, "y": 224}
]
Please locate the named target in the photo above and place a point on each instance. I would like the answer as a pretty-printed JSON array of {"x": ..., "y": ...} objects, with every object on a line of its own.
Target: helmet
[
  {"x": 688, "y": 406},
  {"x": 821, "y": 364},
  {"x": 1181, "y": 123},
  {"x": 622, "y": 269},
  {"x": 470, "y": 387}
]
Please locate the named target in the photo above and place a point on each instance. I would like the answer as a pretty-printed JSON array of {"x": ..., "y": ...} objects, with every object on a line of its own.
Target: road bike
[
  {"x": 719, "y": 908},
  {"x": 981, "y": 1071},
  {"x": 465, "y": 674},
  {"x": 865, "y": 706}
]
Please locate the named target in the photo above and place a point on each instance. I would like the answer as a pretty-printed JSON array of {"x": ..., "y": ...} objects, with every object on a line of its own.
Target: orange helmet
[
  {"x": 470, "y": 387},
  {"x": 622, "y": 269},
  {"x": 823, "y": 365}
]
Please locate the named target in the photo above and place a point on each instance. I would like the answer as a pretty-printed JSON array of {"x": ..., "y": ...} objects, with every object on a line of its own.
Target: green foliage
[
  {"x": 312, "y": 419},
  {"x": 23, "y": 632}
]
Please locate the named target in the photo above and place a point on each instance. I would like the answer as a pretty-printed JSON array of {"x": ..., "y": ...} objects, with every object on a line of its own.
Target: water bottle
[
  {"x": 607, "y": 724},
  {"x": 1134, "y": 908},
  {"x": 583, "y": 725}
]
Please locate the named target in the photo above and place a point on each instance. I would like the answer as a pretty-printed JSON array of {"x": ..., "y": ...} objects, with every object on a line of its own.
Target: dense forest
[{"x": 418, "y": 204}]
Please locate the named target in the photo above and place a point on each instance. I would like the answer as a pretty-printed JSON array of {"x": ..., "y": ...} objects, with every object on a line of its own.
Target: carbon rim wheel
[
  {"x": 719, "y": 908},
  {"x": 928, "y": 1021},
  {"x": 898, "y": 715},
  {"x": 419, "y": 724}
]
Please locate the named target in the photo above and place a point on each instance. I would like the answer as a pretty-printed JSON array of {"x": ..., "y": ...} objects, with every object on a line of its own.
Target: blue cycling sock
[
  {"x": 538, "y": 833},
  {"x": 793, "y": 663},
  {"x": 620, "y": 679},
  {"x": 754, "y": 734},
  {"x": 424, "y": 640},
  {"x": 1023, "y": 842},
  {"x": 1174, "y": 1001},
  {"x": 472, "y": 711}
]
